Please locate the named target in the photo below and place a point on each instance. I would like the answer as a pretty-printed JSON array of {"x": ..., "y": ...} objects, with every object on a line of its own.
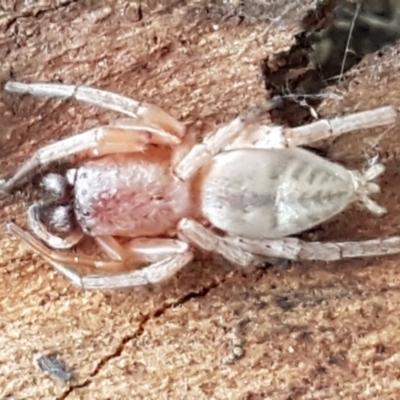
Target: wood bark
[{"x": 306, "y": 330}]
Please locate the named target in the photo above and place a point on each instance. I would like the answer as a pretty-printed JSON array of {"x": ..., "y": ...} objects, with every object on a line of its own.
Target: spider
[{"x": 148, "y": 193}]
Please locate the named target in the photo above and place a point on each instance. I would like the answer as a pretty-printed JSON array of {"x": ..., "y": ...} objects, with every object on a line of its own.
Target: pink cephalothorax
[{"x": 146, "y": 193}]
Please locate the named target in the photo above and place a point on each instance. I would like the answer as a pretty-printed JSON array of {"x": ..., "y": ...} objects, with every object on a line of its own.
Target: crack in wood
[{"x": 140, "y": 330}]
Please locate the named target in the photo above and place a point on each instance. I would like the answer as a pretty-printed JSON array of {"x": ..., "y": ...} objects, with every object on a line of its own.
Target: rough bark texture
[{"x": 308, "y": 330}]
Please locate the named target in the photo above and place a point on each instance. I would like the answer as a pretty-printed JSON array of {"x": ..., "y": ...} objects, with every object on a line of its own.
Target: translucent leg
[
  {"x": 171, "y": 260},
  {"x": 149, "y": 114},
  {"x": 295, "y": 249},
  {"x": 141, "y": 249},
  {"x": 153, "y": 273},
  {"x": 233, "y": 248},
  {"x": 96, "y": 142},
  {"x": 327, "y": 128},
  {"x": 193, "y": 232},
  {"x": 240, "y": 135},
  {"x": 63, "y": 258}
]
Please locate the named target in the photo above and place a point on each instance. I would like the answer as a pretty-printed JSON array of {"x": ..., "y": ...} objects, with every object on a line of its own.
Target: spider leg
[
  {"x": 172, "y": 255},
  {"x": 121, "y": 138},
  {"x": 296, "y": 249},
  {"x": 193, "y": 232},
  {"x": 147, "y": 113},
  {"x": 238, "y": 134},
  {"x": 238, "y": 249},
  {"x": 54, "y": 256},
  {"x": 141, "y": 249},
  {"x": 154, "y": 273},
  {"x": 330, "y": 128}
]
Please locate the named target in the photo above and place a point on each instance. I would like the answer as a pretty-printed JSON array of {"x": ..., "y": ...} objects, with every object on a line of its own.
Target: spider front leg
[
  {"x": 122, "y": 137},
  {"x": 172, "y": 256},
  {"x": 147, "y": 113},
  {"x": 241, "y": 134}
]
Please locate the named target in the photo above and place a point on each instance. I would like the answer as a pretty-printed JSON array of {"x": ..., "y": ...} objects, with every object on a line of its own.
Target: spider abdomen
[{"x": 274, "y": 193}]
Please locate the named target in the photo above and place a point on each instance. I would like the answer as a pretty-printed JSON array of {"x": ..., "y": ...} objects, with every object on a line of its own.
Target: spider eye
[
  {"x": 55, "y": 184},
  {"x": 60, "y": 219}
]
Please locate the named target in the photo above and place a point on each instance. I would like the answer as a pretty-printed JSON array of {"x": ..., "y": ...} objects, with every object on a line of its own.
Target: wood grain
[{"x": 310, "y": 330}]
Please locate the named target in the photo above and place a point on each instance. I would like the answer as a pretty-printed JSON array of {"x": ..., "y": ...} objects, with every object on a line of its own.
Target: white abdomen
[{"x": 259, "y": 193}]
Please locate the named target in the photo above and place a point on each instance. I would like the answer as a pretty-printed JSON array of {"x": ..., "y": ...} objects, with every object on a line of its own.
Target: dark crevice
[
  {"x": 140, "y": 13},
  {"x": 142, "y": 324},
  {"x": 336, "y": 35}
]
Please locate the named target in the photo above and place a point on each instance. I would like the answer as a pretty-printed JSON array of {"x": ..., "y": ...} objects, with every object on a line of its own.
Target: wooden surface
[{"x": 307, "y": 330}]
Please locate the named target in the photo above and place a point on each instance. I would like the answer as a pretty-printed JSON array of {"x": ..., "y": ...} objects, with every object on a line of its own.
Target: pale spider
[{"x": 143, "y": 178}]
